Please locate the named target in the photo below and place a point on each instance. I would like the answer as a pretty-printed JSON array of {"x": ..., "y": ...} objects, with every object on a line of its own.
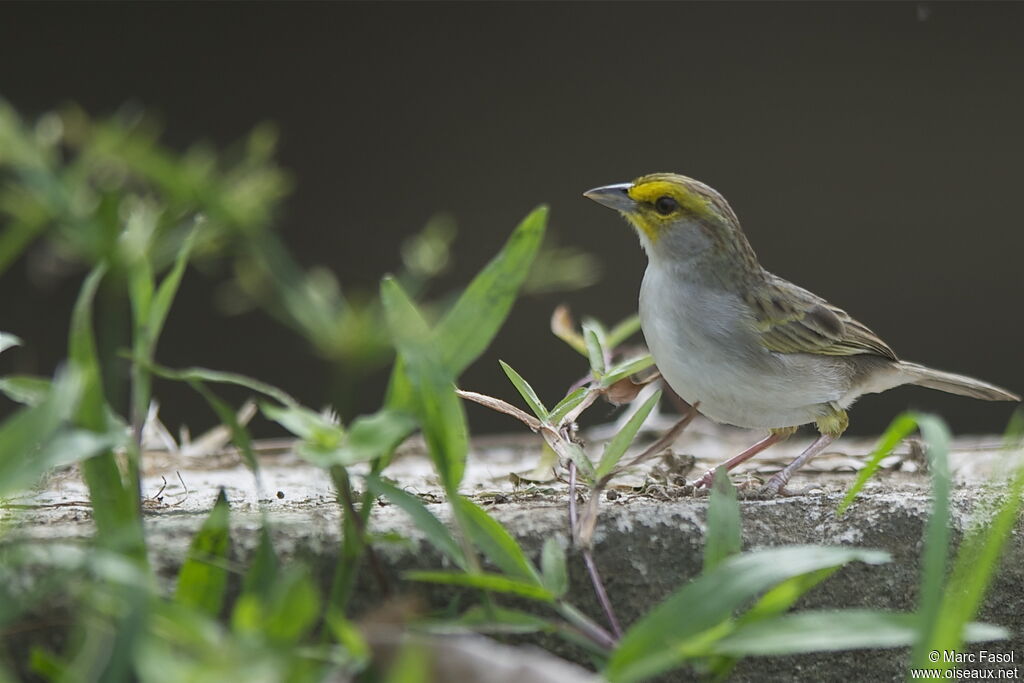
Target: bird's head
[{"x": 677, "y": 217}]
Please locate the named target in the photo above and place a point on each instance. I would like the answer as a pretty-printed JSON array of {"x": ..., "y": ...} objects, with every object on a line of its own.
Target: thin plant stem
[
  {"x": 345, "y": 492},
  {"x": 602, "y": 595},
  {"x": 661, "y": 444},
  {"x": 588, "y": 559},
  {"x": 586, "y": 626},
  {"x": 572, "y": 500}
]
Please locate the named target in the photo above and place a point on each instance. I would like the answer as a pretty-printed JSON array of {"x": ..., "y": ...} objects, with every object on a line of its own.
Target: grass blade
[
  {"x": 203, "y": 577},
  {"x": 493, "y": 619},
  {"x": 723, "y": 538},
  {"x": 220, "y": 377},
  {"x": 623, "y": 331},
  {"x": 491, "y": 582},
  {"x": 595, "y": 349},
  {"x": 438, "y": 408},
  {"x": 115, "y": 505},
  {"x": 494, "y": 541},
  {"x": 831, "y": 630},
  {"x": 935, "y": 556},
  {"x": 617, "y": 447},
  {"x": 468, "y": 328},
  {"x": 259, "y": 577},
  {"x": 165, "y": 293},
  {"x": 436, "y": 532},
  {"x": 226, "y": 414},
  {"x": 526, "y": 391},
  {"x": 627, "y": 368},
  {"x": 25, "y": 389},
  {"x": 566, "y": 405},
  {"x": 661, "y": 639},
  {"x": 899, "y": 429},
  {"x": 554, "y": 572},
  {"x": 23, "y": 435},
  {"x": 979, "y": 553}
]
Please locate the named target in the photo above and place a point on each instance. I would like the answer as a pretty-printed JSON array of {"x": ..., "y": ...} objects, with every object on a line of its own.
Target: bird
[{"x": 748, "y": 347}]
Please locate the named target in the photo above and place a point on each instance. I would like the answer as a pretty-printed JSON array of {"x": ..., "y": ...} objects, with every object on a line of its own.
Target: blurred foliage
[{"x": 69, "y": 183}]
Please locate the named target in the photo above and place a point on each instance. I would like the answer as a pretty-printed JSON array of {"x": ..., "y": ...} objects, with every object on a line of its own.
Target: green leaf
[
  {"x": 220, "y": 377},
  {"x": 306, "y": 424},
  {"x": 979, "y": 553},
  {"x": 490, "y": 582},
  {"x": 595, "y": 349},
  {"x": 493, "y": 619},
  {"x": 115, "y": 505},
  {"x": 373, "y": 436},
  {"x": 24, "y": 435},
  {"x": 349, "y": 636},
  {"x": 288, "y": 612},
  {"x": 436, "y": 532},
  {"x": 935, "y": 555},
  {"x": 526, "y": 391},
  {"x": 322, "y": 440},
  {"x": 468, "y": 328},
  {"x": 554, "y": 573},
  {"x": 626, "y": 368},
  {"x": 623, "y": 331},
  {"x": 617, "y": 447},
  {"x": 898, "y": 430},
  {"x": 24, "y": 389},
  {"x": 494, "y": 541},
  {"x": 723, "y": 538},
  {"x": 8, "y": 340},
  {"x": 664, "y": 637},
  {"x": 438, "y": 408},
  {"x": 412, "y": 663},
  {"x": 577, "y": 455},
  {"x": 832, "y": 630},
  {"x": 784, "y": 595},
  {"x": 203, "y": 577},
  {"x": 168, "y": 289},
  {"x": 260, "y": 576},
  {"x": 82, "y": 353},
  {"x": 566, "y": 405},
  {"x": 228, "y": 417}
]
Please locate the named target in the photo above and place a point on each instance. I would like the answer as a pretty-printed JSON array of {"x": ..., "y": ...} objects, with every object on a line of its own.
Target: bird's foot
[
  {"x": 706, "y": 480},
  {"x": 777, "y": 488}
]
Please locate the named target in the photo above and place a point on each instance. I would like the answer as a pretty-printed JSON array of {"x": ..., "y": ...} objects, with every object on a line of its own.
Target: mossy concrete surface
[{"x": 648, "y": 541}]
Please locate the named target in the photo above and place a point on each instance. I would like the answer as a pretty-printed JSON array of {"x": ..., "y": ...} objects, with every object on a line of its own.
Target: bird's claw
[
  {"x": 777, "y": 488},
  {"x": 705, "y": 481}
]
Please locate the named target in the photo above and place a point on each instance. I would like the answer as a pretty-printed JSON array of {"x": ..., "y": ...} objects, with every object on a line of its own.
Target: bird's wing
[{"x": 792, "y": 320}]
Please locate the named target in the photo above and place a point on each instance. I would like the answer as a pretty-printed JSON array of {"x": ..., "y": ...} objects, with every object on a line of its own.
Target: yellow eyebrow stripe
[
  {"x": 651, "y": 190},
  {"x": 692, "y": 202}
]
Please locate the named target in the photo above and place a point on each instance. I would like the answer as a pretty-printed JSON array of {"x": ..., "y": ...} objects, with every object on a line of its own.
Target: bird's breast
[{"x": 704, "y": 341}]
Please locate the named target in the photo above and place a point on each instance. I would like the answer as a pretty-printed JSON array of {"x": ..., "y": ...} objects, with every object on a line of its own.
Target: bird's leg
[
  {"x": 831, "y": 425},
  {"x": 777, "y": 484},
  {"x": 776, "y": 436}
]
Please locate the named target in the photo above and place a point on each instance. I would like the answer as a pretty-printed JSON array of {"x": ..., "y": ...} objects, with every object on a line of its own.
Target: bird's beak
[{"x": 613, "y": 196}]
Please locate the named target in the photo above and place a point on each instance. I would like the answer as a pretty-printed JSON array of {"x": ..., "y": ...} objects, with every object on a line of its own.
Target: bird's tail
[{"x": 955, "y": 384}]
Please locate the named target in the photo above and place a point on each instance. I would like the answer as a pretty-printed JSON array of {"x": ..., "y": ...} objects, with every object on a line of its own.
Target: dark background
[{"x": 872, "y": 151}]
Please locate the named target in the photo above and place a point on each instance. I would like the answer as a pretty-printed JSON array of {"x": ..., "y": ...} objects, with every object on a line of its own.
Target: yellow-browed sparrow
[{"x": 751, "y": 348}]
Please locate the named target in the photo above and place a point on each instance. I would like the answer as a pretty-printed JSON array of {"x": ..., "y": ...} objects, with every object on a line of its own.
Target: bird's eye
[{"x": 666, "y": 205}]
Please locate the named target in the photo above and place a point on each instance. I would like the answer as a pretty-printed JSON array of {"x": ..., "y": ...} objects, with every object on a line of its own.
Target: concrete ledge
[{"x": 648, "y": 542}]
